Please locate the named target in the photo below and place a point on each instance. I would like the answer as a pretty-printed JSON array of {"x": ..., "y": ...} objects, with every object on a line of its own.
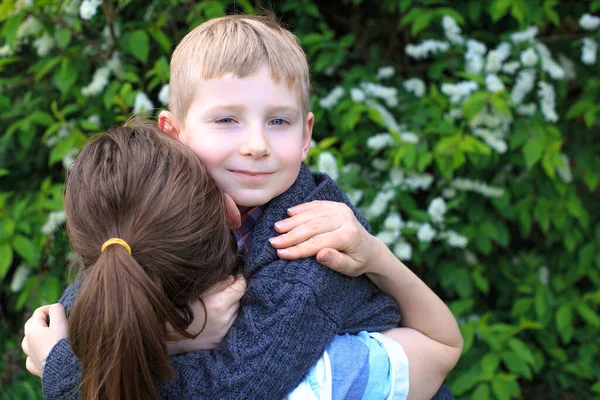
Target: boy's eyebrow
[{"x": 235, "y": 108}]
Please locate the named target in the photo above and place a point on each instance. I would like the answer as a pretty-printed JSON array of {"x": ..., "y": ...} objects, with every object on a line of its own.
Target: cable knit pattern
[{"x": 291, "y": 312}]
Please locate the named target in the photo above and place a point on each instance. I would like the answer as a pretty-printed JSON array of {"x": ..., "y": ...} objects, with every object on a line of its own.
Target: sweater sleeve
[{"x": 281, "y": 332}]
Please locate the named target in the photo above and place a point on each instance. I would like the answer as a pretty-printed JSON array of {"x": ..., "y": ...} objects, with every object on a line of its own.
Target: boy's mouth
[{"x": 251, "y": 175}]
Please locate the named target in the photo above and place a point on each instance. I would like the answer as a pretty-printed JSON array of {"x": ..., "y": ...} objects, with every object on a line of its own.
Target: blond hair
[{"x": 239, "y": 45}]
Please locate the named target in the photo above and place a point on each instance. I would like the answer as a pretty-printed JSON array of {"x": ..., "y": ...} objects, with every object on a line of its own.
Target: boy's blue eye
[
  {"x": 226, "y": 120},
  {"x": 278, "y": 122}
]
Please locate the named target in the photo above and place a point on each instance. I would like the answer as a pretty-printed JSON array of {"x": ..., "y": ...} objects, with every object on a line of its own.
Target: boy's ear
[
  {"x": 232, "y": 213},
  {"x": 307, "y": 136},
  {"x": 167, "y": 123}
]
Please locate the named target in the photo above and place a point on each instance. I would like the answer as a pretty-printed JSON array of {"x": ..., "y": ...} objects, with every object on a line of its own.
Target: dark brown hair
[{"x": 140, "y": 185}]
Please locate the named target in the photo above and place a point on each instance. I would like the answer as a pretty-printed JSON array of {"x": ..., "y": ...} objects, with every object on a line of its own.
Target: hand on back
[
  {"x": 40, "y": 337},
  {"x": 222, "y": 306}
]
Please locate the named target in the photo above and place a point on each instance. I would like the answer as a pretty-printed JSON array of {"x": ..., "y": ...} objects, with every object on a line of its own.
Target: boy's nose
[{"x": 255, "y": 144}]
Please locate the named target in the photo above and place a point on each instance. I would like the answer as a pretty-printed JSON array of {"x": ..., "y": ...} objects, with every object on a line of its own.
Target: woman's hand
[
  {"x": 328, "y": 230},
  {"x": 40, "y": 338},
  {"x": 222, "y": 306}
]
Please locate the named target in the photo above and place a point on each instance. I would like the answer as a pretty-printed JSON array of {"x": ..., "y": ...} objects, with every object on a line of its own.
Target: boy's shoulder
[{"x": 309, "y": 186}]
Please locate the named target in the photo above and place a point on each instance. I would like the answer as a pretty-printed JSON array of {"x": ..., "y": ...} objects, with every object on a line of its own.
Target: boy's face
[{"x": 249, "y": 133}]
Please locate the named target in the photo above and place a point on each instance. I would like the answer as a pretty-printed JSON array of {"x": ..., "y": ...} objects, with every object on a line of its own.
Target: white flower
[
  {"x": 589, "y": 51},
  {"x": 589, "y": 22},
  {"x": 426, "y": 48},
  {"x": 547, "y": 101},
  {"x": 69, "y": 158},
  {"x": 393, "y": 222},
  {"x": 98, "y": 83},
  {"x": 544, "y": 275},
  {"x": 327, "y": 164},
  {"x": 409, "y": 137},
  {"x": 355, "y": 196},
  {"x": 142, "y": 104},
  {"x": 415, "y": 86},
  {"x": 87, "y": 9},
  {"x": 494, "y": 139},
  {"x": 94, "y": 119},
  {"x": 388, "y": 237},
  {"x": 403, "y": 251},
  {"x": 425, "y": 233},
  {"x": 6, "y": 51},
  {"x": 565, "y": 171},
  {"x": 493, "y": 83},
  {"x": 332, "y": 99},
  {"x": 455, "y": 239},
  {"x": 115, "y": 64},
  {"x": 548, "y": 63},
  {"x": 313, "y": 143},
  {"x": 452, "y": 30},
  {"x": 474, "y": 56},
  {"x": 357, "y": 95},
  {"x": 55, "y": 219},
  {"x": 379, "y": 204},
  {"x": 483, "y": 189},
  {"x": 387, "y": 94},
  {"x": 31, "y": 26},
  {"x": 437, "y": 209},
  {"x": 449, "y": 193},
  {"x": 568, "y": 66},
  {"x": 528, "y": 35},
  {"x": 19, "y": 278},
  {"x": 387, "y": 118},
  {"x": 380, "y": 141},
  {"x": 459, "y": 91},
  {"x": 385, "y": 72},
  {"x": 496, "y": 57},
  {"x": 163, "y": 95},
  {"x": 380, "y": 164},
  {"x": 511, "y": 67},
  {"x": 523, "y": 85},
  {"x": 528, "y": 109},
  {"x": 529, "y": 57},
  {"x": 43, "y": 44}
]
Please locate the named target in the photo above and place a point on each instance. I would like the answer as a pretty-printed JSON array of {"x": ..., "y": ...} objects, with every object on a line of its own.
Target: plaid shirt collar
[{"x": 249, "y": 219}]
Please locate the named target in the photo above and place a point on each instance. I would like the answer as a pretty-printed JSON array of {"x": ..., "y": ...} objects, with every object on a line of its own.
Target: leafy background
[{"x": 466, "y": 131}]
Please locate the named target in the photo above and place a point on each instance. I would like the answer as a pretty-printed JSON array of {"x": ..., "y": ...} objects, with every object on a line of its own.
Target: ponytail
[{"x": 117, "y": 328}]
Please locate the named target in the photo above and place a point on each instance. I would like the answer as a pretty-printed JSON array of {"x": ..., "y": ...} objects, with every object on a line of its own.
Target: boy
[{"x": 239, "y": 99}]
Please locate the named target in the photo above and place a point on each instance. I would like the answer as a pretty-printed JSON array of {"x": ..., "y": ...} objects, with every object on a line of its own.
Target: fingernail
[
  {"x": 279, "y": 224},
  {"x": 275, "y": 240},
  {"x": 282, "y": 252},
  {"x": 291, "y": 210},
  {"x": 325, "y": 258}
]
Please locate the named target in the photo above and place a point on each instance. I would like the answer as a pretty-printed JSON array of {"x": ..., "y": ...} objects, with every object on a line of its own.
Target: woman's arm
[{"x": 430, "y": 334}]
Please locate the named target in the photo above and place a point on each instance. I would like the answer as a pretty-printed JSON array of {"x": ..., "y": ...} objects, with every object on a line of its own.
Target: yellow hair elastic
[{"x": 118, "y": 241}]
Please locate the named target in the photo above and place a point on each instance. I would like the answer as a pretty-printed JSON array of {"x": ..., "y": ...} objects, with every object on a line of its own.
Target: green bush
[{"x": 466, "y": 131}]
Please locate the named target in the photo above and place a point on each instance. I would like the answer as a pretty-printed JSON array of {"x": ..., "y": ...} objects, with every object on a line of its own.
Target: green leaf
[
  {"x": 522, "y": 350},
  {"x": 564, "y": 323},
  {"x": 501, "y": 390},
  {"x": 27, "y": 249},
  {"x": 11, "y": 27},
  {"x": 163, "y": 40},
  {"x": 474, "y": 104},
  {"x": 588, "y": 315},
  {"x": 489, "y": 363},
  {"x": 533, "y": 152},
  {"x": 481, "y": 392},
  {"x": 137, "y": 44},
  {"x": 6, "y": 258},
  {"x": 61, "y": 149},
  {"x": 499, "y": 9},
  {"x": 65, "y": 76},
  {"x": 63, "y": 37},
  {"x": 516, "y": 364}
]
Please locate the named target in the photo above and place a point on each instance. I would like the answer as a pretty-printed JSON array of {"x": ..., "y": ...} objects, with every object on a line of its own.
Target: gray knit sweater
[{"x": 291, "y": 312}]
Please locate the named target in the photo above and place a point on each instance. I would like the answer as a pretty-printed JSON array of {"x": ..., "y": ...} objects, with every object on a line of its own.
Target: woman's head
[{"x": 144, "y": 187}]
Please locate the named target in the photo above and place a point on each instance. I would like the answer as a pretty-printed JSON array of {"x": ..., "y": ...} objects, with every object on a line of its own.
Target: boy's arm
[{"x": 284, "y": 327}]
